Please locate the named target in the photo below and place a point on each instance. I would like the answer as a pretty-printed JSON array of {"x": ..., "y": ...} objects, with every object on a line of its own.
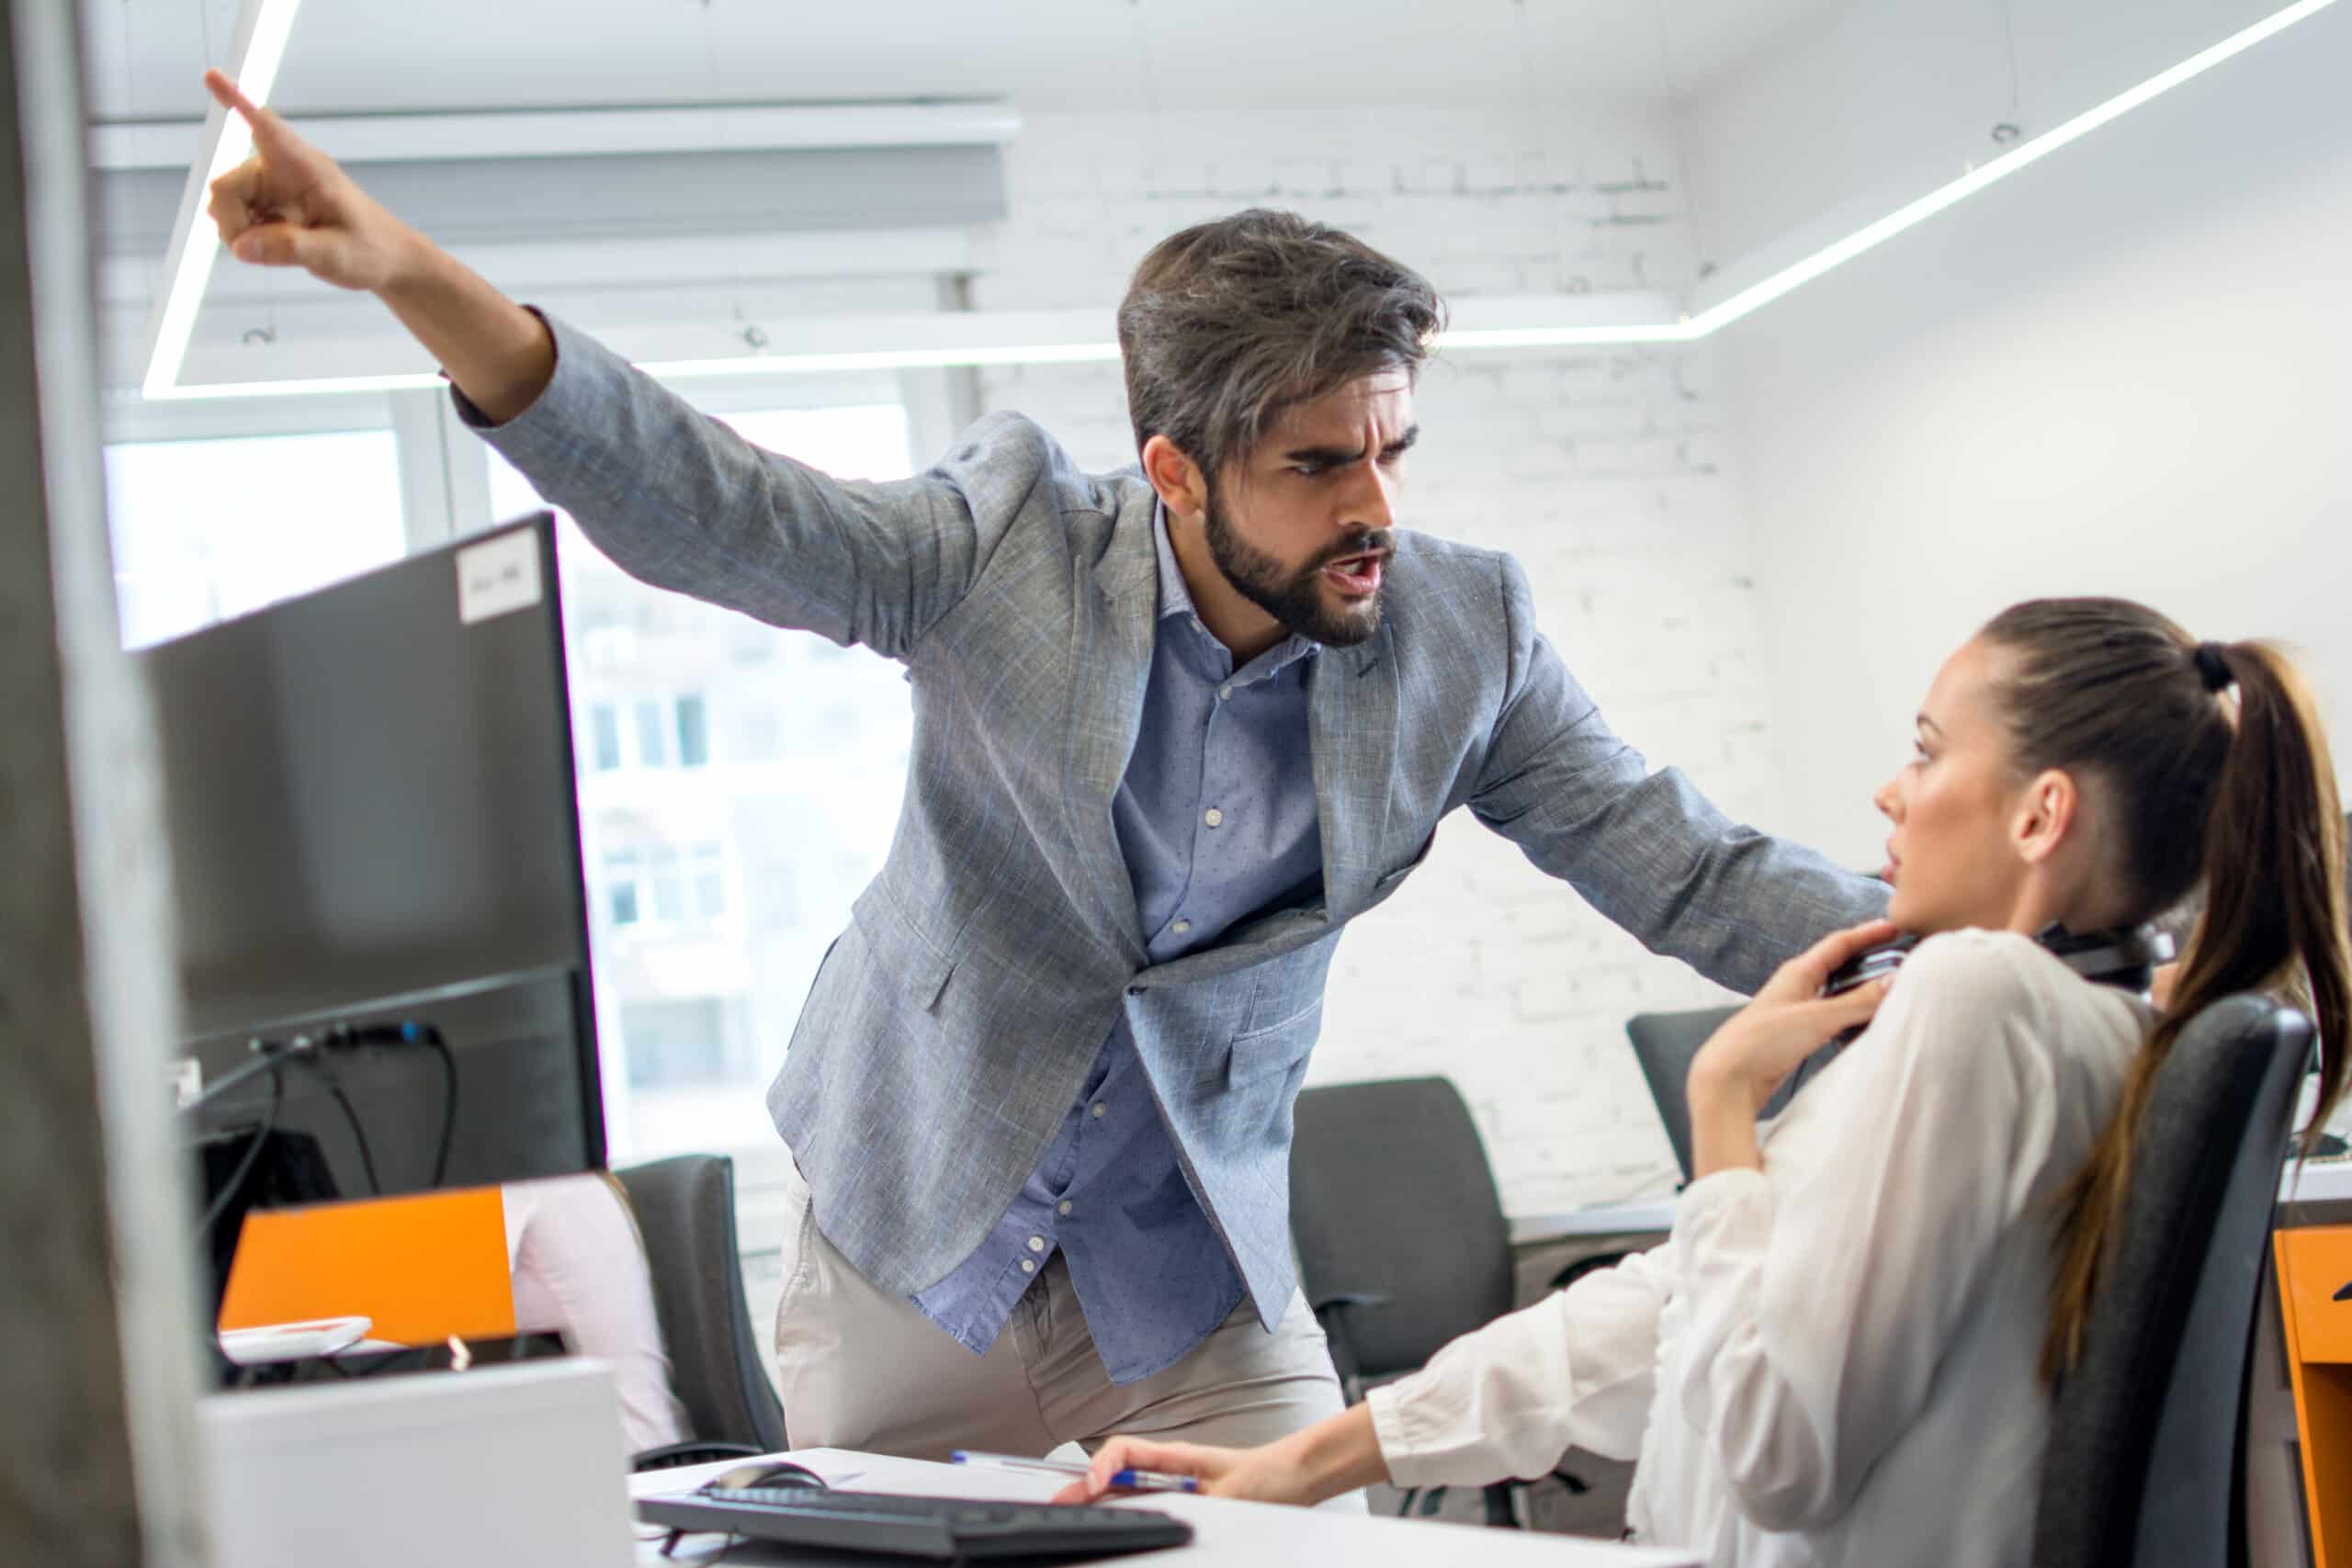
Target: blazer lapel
[
  {"x": 1110, "y": 667},
  {"x": 1351, "y": 708}
]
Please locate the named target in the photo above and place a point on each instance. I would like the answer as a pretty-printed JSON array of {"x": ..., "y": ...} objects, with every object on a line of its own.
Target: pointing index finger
[{"x": 231, "y": 96}]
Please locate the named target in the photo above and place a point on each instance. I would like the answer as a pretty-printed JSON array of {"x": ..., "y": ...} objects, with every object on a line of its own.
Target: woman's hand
[
  {"x": 1258, "y": 1474},
  {"x": 1338, "y": 1453},
  {"x": 1749, "y": 1058}
]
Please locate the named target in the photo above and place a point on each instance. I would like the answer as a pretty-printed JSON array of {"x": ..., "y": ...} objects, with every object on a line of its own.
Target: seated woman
[{"x": 1843, "y": 1352}]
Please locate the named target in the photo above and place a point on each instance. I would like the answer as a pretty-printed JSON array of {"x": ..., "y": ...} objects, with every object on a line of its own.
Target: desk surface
[
  {"x": 1244, "y": 1535},
  {"x": 2321, "y": 1181}
]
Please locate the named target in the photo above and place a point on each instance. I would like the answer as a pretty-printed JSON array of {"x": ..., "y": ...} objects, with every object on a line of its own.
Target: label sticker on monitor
[{"x": 498, "y": 576}]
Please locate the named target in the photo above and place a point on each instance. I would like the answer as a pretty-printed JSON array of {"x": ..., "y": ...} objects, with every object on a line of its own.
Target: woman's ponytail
[
  {"x": 2274, "y": 864},
  {"x": 2221, "y": 774}
]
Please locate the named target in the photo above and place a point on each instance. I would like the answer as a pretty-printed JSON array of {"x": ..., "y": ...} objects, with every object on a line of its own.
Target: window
[
  {"x": 652, "y": 738},
  {"x": 710, "y": 881},
  {"x": 661, "y": 875},
  {"x": 754, "y": 786},
  {"x": 605, "y": 737},
  {"x": 620, "y": 886},
  {"x": 693, "y": 740},
  {"x": 683, "y": 1040},
  {"x": 210, "y": 528}
]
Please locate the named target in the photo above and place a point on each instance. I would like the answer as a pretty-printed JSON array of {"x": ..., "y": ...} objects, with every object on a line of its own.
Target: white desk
[
  {"x": 1233, "y": 1534},
  {"x": 2327, "y": 1180},
  {"x": 1650, "y": 1215},
  {"x": 2323, "y": 1181}
]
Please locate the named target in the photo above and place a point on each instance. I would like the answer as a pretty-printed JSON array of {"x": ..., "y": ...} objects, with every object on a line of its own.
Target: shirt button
[
  {"x": 1100, "y": 1110},
  {"x": 1181, "y": 927},
  {"x": 1223, "y": 692},
  {"x": 1036, "y": 1244},
  {"x": 1212, "y": 816},
  {"x": 1028, "y": 1266},
  {"x": 1065, "y": 1206}
]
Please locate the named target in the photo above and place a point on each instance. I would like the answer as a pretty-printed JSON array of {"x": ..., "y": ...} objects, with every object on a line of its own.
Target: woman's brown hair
[{"x": 2234, "y": 793}]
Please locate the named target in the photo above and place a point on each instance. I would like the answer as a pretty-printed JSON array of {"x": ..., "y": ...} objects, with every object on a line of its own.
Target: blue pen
[{"x": 1127, "y": 1480}]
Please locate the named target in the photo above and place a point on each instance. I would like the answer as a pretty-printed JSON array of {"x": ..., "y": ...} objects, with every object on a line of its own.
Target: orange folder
[{"x": 422, "y": 1268}]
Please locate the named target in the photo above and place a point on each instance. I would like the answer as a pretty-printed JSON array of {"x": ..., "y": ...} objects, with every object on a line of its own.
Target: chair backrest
[
  {"x": 685, "y": 1211},
  {"x": 2144, "y": 1463},
  {"x": 1391, "y": 1196},
  {"x": 1664, "y": 1044}
]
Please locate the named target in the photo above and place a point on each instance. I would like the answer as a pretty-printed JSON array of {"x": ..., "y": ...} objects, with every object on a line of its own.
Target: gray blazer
[{"x": 951, "y": 1025}]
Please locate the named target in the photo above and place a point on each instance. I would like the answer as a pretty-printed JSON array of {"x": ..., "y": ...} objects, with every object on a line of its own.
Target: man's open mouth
[{"x": 1357, "y": 576}]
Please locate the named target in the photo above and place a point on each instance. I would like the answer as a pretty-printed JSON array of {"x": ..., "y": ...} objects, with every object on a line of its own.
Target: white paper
[{"x": 498, "y": 576}]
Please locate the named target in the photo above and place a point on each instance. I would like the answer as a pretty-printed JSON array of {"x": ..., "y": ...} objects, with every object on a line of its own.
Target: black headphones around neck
[{"x": 2122, "y": 955}]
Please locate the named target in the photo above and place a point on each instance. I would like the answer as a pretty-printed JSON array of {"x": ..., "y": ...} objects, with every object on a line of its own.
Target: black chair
[
  {"x": 1664, "y": 1044},
  {"x": 1402, "y": 1244},
  {"x": 685, "y": 1211},
  {"x": 2144, "y": 1468}
]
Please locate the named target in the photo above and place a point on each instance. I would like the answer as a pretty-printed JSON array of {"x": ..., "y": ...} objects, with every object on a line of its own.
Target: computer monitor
[{"x": 368, "y": 793}]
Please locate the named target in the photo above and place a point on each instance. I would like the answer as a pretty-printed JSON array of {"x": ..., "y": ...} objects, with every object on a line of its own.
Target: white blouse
[{"x": 1831, "y": 1360}]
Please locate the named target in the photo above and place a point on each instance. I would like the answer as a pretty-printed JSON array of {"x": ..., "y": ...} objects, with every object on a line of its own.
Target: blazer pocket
[
  {"x": 1270, "y": 1052},
  {"x": 1393, "y": 880},
  {"x": 899, "y": 949}
]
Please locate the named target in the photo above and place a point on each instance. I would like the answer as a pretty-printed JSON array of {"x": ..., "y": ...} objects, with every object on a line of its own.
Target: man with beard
[{"x": 1174, "y": 729}]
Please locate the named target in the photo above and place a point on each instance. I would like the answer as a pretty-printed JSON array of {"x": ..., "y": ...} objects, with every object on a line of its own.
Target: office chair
[
  {"x": 1402, "y": 1244},
  {"x": 685, "y": 1211},
  {"x": 2144, "y": 1464},
  {"x": 1664, "y": 1044}
]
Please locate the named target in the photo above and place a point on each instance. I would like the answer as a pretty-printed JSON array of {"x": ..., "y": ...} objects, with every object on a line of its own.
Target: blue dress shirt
[{"x": 1215, "y": 819}]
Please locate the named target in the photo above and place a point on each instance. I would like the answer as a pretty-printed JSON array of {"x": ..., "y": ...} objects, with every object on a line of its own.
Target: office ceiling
[{"x": 359, "y": 55}]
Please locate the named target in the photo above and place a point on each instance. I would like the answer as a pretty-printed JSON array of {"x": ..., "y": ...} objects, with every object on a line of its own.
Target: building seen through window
[{"x": 739, "y": 785}]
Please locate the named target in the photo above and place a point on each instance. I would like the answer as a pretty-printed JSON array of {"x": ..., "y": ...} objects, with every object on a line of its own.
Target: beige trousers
[{"x": 861, "y": 1368}]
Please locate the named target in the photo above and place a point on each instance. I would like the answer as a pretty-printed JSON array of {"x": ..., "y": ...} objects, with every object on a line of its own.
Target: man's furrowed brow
[
  {"x": 1324, "y": 457},
  {"x": 1335, "y": 456}
]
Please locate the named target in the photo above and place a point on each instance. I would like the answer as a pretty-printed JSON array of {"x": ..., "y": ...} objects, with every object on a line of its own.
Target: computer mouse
[{"x": 776, "y": 1473}]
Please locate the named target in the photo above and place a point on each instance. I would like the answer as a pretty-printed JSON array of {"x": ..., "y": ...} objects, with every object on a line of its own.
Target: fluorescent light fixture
[
  {"x": 1870, "y": 235},
  {"x": 1565, "y": 337},
  {"x": 732, "y": 366},
  {"x": 265, "y": 23},
  {"x": 576, "y": 133},
  {"x": 259, "y": 49}
]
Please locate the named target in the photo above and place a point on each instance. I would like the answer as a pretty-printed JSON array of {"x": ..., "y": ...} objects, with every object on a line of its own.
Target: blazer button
[{"x": 1135, "y": 990}]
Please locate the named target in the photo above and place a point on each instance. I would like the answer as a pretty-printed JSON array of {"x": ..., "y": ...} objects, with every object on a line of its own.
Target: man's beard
[{"x": 1296, "y": 598}]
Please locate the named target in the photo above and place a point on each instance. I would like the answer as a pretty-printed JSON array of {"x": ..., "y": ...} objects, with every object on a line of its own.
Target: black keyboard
[{"x": 940, "y": 1528}]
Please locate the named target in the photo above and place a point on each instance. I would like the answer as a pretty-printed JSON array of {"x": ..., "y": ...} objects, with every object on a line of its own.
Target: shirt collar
[{"x": 1176, "y": 599}]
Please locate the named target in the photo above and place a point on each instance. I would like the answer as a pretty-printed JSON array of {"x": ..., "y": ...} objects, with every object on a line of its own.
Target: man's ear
[
  {"x": 2044, "y": 815},
  {"x": 1183, "y": 490}
]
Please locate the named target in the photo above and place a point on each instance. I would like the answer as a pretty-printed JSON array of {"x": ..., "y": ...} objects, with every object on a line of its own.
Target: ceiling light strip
[
  {"x": 259, "y": 49},
  {"x": 1870, "y": 235}
]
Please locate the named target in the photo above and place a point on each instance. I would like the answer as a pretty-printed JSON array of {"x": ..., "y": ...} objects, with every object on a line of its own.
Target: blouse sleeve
[
  {"x": 1817, "y": 1308},
  {"x": 1573, "y": 1370}
]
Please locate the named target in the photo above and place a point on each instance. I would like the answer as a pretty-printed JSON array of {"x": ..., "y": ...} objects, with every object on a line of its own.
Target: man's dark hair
[{"x": 1229, "y": 323}]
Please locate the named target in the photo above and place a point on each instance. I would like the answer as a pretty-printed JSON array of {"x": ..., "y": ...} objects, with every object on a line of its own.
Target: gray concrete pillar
[{"x": 98, "y": 1325}]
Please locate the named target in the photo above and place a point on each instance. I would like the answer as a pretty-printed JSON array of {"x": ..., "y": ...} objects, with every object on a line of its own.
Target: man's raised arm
[
  {"x": 671, "y": 496},
  {"x": 288, "y": 205}
]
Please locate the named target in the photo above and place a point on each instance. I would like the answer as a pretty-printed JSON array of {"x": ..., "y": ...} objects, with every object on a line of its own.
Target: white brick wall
[{"x": 1605, "y": 475}]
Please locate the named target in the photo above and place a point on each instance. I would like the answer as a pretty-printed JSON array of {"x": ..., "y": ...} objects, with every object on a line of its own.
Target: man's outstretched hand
[{"x": 289, "y": 205}]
